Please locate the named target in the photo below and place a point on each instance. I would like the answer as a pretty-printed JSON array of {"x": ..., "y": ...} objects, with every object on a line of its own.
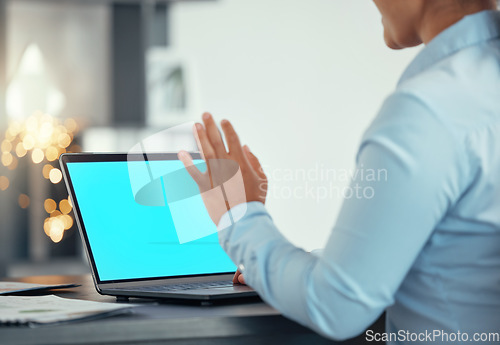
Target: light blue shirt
[{"x": 426, "y": 245}]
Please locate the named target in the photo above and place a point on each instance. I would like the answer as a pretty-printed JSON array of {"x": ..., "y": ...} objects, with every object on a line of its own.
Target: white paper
[
  {"x": 10, "y": 287},
  {"x": 49, "y": 309}
]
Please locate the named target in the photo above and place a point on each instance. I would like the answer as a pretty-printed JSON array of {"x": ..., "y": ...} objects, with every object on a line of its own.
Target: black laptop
[{"x": 141, "y": 241}]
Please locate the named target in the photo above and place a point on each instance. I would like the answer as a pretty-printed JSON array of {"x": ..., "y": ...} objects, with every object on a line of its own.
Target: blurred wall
[
  {"x": 74, "y": 38},
  {"x": 301, "y": 80}
]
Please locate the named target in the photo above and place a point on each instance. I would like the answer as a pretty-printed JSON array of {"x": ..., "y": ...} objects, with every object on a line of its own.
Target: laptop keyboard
[{"x": 180, "y": 287}]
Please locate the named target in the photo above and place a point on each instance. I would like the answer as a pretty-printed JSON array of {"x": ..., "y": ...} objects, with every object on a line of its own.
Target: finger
[
  {"x": 238, "y": 278},
  {"x": 214, "y": 136},
  {"x": 235, "y": 278},
  {"x": 241, "y": 279},
  {"x": 204, "y": 144},
  {"x": 233, "y": 143},
  {"x": 254, "y": 162},
  {"x": 187, "y": 160}
]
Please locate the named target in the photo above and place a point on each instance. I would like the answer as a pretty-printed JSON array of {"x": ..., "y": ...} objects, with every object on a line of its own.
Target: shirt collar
[{"x": 471, "y": 30}]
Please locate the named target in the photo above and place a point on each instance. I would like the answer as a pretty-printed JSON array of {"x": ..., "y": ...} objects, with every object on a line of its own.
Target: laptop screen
[{"x": 130, "y": 240}]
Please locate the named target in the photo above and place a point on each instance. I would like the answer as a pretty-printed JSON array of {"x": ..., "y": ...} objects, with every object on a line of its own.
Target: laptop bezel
[{"x": 89, "y": 157}]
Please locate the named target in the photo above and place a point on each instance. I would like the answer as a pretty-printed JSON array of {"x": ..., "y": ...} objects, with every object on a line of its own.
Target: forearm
[
  {"x": 263, "y": 254},
  {"x": 299, "y": 284}
]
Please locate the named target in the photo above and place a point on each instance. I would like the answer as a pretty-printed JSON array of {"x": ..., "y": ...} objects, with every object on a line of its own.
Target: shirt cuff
[
  {"x": 241, "y": 214},
  {"x": 238, "y": 212}
]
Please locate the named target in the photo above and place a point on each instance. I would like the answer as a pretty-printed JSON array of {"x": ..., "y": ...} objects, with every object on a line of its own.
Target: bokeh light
[
  {"x": 44, "y": 138},
  {"x": 64, "y": 140},
  {"x": 37, "y": 155},
  {"x": 20, "y": 150},
  {"x": 56, "y": 230},
  {"x": 49, "y": 205},
  {"x": 55, "y": 176},
  {"x": 67, "y": 220},
  {"x": 55, "y": 213},
  {"x": 52, "y": 153},
  {"x": 64, "y": 206},
  {"x": 23, "y": 200},
  {"x": 46, "y": 170},
  {"x": 4, "y": 182},
  {"x": 28, "y": 142},
  {"x": 46, "y": 226},
  {"x": 6, "y": 146},
  {"x": 7, "y": 158}
]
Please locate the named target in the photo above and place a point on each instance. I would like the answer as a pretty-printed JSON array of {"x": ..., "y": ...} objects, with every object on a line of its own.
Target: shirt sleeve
[{"x": 408, "y": 174}]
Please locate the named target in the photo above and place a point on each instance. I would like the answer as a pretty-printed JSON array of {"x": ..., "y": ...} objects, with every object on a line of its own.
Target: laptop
[{"x": 137, "y": 242}]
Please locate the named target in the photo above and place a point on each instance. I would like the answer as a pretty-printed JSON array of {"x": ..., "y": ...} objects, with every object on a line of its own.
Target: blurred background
[{"x": 300, "y": 80}]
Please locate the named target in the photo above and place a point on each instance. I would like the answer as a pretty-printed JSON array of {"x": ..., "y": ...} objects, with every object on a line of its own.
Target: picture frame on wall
[{"x": 170, "y": 88}]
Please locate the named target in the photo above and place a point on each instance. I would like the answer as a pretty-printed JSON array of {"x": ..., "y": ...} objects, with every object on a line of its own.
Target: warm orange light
[
  {"x": 52, "y": 153},
  {"x": 4, "y": 182},
  {"x": 32, "y": 122},
  {"x": 61, "y": 151},
  {"x": 7, "y": 158},
  {"x": 49, "y": 205},
  {"x": 43, "y": 137},
  {"x": 55, "y": 214},
  {"x": 67, "y": 220},
  {"x": 37, "y": 155},
  {"x": 46, "y": 170},
  {"x": 20, "y": 150},
  {"x": 64, "y": 140},
  {"x": 45, "y": 131},
  {"x": 46, "y": 226},
  {"x": 23, "y": 200},
  {"x": 55, "y": 176},
  {"x": 28, "y": 142},
  {"x": 64, "y": 206},
  {"x": 56, "y": 230},
  {"x": 6, "y": 146}
]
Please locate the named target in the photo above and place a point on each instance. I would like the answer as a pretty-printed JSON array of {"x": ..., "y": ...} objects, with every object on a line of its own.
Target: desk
[{"x": 152, "y": 323}]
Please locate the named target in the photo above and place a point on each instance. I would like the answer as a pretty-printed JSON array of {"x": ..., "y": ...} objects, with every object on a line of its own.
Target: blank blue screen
[{"x": 129, "y": 240}]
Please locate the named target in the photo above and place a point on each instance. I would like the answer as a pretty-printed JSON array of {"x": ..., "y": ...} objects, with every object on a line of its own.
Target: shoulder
[
  {"x": 408, "y": 138},
  {"x": 408, "y": 130},
  {"x": 462, "y": 89},
  {"x": 406, "y": 117}
]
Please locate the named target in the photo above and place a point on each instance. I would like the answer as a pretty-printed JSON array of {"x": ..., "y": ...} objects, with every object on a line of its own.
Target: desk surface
[{"x": 154, "y": 323}]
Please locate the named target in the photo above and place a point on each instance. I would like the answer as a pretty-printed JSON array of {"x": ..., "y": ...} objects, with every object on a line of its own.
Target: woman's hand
[
  {"x": 233, "y": 175},
  {"x": 238, "y": 278}
]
